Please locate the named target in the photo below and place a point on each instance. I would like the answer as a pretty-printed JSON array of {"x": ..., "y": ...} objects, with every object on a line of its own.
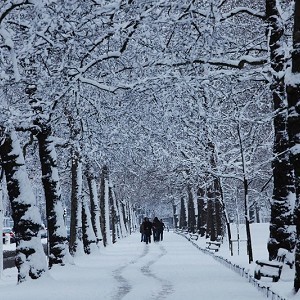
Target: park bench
[
  {"x": 273, "y": 268},
  {"x": 213, "y": 246},
  {"x": 219, "y": 238},
  {"x": 193, "y": 237},
  {"x": 288, "y": 257}
]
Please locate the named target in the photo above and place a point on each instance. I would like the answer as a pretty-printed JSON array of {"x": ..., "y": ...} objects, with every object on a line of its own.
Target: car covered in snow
[{"x": 8, "y": 232}]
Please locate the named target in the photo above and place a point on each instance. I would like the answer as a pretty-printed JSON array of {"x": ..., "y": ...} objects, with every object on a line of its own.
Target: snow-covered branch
[
  {"x": 243, "y": 10},
  {"x": 101, "y": 86},
  {"x": 8, "y": 42},
  {"x": 13, "y": 6},
  {"x": 237, "y": 63},
  {"x": 109, "y": 55}
]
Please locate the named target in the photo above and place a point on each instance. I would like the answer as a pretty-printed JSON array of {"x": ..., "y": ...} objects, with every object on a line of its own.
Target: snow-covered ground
[
  {"x": 259, "y": 236},
  {"x": 173, "y": 269}
]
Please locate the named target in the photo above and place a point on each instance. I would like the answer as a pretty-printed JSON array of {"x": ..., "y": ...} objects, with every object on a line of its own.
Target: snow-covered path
[{"x": 129, "y": 270}]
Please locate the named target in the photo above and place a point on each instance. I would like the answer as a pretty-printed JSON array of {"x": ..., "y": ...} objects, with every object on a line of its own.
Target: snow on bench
[
  {"x": 273, "y": 268},
  {"x": 288, "y": 257},
  {"x": 213, "y": 245},
  {"x": 193, "y": 237}
]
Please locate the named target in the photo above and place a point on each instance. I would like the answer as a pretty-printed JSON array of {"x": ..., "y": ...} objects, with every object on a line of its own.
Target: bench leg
[{"x": 257, "y": 275}]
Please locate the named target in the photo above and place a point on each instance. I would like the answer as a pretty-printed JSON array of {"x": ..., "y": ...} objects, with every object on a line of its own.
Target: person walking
[
  {"x": 147, "y": 230},
  {"x": 162, "y": 227},
  {"x": 156, "y": 229}
]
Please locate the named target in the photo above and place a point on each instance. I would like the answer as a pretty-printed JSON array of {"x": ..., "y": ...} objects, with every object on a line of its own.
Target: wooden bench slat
[
  {"x": 213, "y": 245},
  {"x": 271, "y": 269}
]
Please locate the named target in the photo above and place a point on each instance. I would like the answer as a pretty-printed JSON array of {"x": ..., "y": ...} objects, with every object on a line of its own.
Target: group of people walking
[{"x": 147, "y": 228}]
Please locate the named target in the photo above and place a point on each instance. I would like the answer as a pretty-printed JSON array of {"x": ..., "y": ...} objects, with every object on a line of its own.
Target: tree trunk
[
  {"x": 113, "y": 215},
  {"x": 88, "y": 235},
  {"x": 215, "y": 189},
  {"x": 118, "y": 215},
  {"x": 75, "y": 243},
  {"x": 247, "y": 221},
  {"x": 219, "y": 225},
  {"x": 246, "y": 196},
  {"x": 293, "y": 96},
  {"x": 202, "y": 212},
  {"x": 211, "y": 231},
  {"x": 57, "y": 234},
  {"x": 182, "y": 219},
  {"x": 126, "y": 216},
  {"x": 219, "y": 207},
  {"x": 104, "y": 206},
  {"x": 129, "y": 216},
  {"x": 191, "y": 211},
  {"x": 123, "y": 218},
  {"x": 226, "y": 217},
  {"x": 95, "y": 210},
  {"x": 281, "y": 223},
  {"x": 30, "y": 257},
  {"x": 119, "y": 228},
  {"x": 175, "y": 216}
]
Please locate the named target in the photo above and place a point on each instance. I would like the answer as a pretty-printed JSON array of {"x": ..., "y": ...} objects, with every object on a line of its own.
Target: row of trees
[
  {"x": 95, "y": 221},
  {"x": 281, "y": 61},
  {"x": 40, "y": 98}
]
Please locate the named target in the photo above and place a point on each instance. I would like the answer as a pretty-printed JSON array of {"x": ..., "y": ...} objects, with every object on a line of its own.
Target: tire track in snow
[
  {"x": 166, "y": 286},
  {"x": 125, "y": 287}
]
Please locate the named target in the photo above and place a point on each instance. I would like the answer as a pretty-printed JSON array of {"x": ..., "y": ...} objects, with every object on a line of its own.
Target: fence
[{"x": 239, "y": 270}]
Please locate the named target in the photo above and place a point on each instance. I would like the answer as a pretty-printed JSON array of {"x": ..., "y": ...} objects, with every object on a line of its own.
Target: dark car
[
  {"x": 8, "y": 230},
  {"x": 43, "y": 231}
]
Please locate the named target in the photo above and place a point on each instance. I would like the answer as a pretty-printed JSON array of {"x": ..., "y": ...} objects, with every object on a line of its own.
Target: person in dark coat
[
  {"x": 156, "y": 226},
  {"x": 162, "y": 227},
  {"x": 147, "y": 228}
]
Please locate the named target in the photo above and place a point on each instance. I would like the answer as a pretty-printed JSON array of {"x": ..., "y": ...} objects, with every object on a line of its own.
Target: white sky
[{"x": 128, "y": 270}]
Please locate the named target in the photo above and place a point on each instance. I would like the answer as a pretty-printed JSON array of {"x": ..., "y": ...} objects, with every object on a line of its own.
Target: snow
[
  {"x": 6, "y": 35},
  {"x": 172, "y": 269},
  {"x": 292, "y": 79},
  {"x": 96, "y": 84},
  {"x": 107, "y": 211}
]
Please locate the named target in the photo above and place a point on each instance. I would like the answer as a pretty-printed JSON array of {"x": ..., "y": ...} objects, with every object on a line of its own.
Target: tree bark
[
  {"x": 202, "y": 212},
  {"x": 88, "y": 235},
  {"x": 175, "y": 215},
  {"x": 215, "y": 191},
  {"x": 95, "y": 210},
  {"x": 219, "y": 207},
  {"x": 282, "y": 232},
  {"x": 75, "y": 243},
  {"x": 30, "y": 257},
  {"x": 123, "y": 218},
  {"x": 293, "y": 97},
  {"x": 182, "y": 219},
  {"x": 191, "y": 211},
  {"x": 129, "y": 217},
  {"x": 103, "y": 205},
  {"x": 113, "y": 215},
  {"x": 219, "y": 225},
  {"x": 211, "y": 230},
  {"x": 247, "y": 221},
  {"x": 57, "y": 234}
]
